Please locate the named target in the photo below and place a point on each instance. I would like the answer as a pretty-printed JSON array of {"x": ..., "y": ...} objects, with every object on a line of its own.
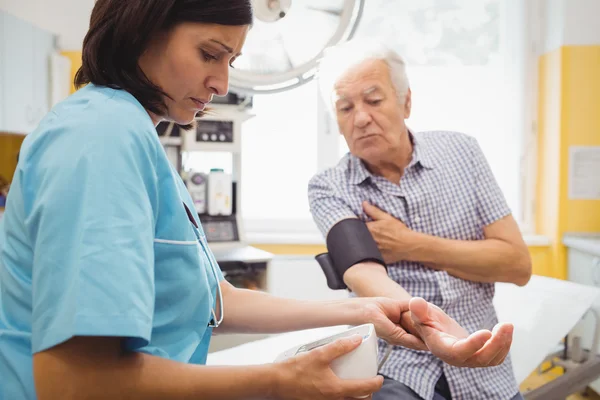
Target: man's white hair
[{"x": 337, "y": 60}]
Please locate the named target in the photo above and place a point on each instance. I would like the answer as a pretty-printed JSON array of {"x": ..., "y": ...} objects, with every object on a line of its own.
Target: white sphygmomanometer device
[{"x": 360, "y": 363}]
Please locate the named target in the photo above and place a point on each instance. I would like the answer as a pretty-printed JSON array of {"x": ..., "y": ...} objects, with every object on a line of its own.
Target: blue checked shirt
[{"x": 449, "y": 191}]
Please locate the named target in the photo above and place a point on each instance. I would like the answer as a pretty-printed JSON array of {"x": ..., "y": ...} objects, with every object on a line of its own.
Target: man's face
[{"x": 369, "y": 113}]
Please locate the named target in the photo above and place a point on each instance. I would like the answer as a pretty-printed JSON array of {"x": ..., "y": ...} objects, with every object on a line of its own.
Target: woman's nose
[{"x": 219, "y": 84}]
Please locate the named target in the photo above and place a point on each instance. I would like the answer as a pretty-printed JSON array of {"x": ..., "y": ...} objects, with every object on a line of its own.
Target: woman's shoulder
[
  {"x": 99, "y": 113},
  {"x": 96, "y": 106},
  {"x": 94, "y": 119}
]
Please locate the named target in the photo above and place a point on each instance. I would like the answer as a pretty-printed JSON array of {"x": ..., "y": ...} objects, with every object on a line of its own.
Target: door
[
  {"x": 43, "y": 46},
  {"x": 17, "y": 37},
  {"x": 2, "y": 57}
]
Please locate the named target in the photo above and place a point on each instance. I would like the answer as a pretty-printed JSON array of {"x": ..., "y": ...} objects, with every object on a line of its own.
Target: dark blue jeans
[{"x": 394, "y": 390}]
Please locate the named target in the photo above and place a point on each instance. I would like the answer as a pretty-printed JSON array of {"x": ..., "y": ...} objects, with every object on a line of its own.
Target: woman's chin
[{"x": 185, "y": 119}]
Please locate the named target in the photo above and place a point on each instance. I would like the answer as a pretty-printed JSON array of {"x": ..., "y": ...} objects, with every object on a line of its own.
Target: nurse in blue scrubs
[{"x": 107, "y": 286}]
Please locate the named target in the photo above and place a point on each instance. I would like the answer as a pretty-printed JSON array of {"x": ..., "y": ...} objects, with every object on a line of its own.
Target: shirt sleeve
[
  {"x": 89, "y": 214},
  {"x": 491, "y": 203},
  {"x": 326, "y": 204}
]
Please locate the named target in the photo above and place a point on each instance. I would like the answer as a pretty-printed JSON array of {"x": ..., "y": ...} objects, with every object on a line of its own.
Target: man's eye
[{"x": 374, "y": 102}]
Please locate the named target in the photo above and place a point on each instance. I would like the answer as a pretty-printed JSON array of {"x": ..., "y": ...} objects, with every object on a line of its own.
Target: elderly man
[{"x": 435, "y": 212}]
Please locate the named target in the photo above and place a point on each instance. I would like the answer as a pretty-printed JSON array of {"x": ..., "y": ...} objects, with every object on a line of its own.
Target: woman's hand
[
  {"x": 420, "y": 325},
  {"x": 309, "y": 375},
  {"x": 450, "y": 342},
  {"x": 385, "y": 314}
]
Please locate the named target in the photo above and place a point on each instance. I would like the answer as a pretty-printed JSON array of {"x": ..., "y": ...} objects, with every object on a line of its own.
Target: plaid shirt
[{"x": 449, "y": 191}]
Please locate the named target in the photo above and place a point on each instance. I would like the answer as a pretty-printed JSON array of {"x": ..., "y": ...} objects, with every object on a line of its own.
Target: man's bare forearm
[
  {"x": 488, "y": 260},
  {"x": 369, "y": 279}
]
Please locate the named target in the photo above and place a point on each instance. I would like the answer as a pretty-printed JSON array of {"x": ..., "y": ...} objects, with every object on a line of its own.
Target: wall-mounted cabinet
[
  {"x": 584, "y": 267},
  {"x": 25, "y": 52},
  {"x": 2, "y": 61}
]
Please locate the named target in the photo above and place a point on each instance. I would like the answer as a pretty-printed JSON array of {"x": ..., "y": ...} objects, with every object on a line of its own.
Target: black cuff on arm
[{"x": 349, "y": 242}]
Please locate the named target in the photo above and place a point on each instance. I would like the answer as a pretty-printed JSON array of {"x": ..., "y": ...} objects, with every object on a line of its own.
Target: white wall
[
  {"x": 567, "y": 22},
  {"x": 300, "y": 278},
  {"x": 553, "y": 21},
  {"x": 570, "y": 22},
  {"x": 581, "y": 22},
  {"x": 69, "y": 19}
]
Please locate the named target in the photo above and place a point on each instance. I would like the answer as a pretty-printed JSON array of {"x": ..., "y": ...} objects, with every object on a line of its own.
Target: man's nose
[{"x": 362, "y": 118}]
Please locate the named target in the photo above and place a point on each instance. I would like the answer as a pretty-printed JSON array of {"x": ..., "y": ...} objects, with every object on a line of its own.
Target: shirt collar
[{"x": 421, "y": 155}]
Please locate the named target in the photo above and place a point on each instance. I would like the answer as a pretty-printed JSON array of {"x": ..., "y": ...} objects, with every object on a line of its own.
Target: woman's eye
[
  {"x": 374, "y": 102},
  {"x": 208, "y": 57}
]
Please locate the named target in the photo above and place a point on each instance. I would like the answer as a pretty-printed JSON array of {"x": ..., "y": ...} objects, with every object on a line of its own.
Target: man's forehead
[
  {"x": 371, "y": 75},
  {"x": 341, "y": 94}
]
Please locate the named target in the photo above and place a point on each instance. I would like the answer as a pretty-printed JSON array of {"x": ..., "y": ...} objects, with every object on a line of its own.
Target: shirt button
[{"x": 417, "y": 219}]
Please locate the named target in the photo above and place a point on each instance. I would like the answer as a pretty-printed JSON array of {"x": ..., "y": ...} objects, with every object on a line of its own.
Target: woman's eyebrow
[{"x": 227, "y": 48}]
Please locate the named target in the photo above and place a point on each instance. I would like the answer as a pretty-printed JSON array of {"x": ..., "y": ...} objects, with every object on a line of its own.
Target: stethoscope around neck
[{"x": 214, "y": 322}]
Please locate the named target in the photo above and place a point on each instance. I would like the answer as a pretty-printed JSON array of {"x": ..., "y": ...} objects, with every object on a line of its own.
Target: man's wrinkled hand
[
  {"x": 390, "y": 234},
  {"x": 450, "y": 342}
]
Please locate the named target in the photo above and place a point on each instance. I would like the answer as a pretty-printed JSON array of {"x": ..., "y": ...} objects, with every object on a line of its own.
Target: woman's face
[{"x": 191, "y": 64}]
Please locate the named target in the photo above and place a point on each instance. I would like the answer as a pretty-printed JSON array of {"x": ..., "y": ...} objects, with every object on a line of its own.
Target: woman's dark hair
[{"x": 121, "y": 29}]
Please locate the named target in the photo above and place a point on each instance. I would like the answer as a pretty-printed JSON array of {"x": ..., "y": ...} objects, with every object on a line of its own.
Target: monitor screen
[{"x": 220, "y": 231}]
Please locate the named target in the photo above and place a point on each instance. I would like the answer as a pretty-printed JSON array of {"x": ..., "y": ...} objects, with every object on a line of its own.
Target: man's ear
[{"x": 407, "y": 104}]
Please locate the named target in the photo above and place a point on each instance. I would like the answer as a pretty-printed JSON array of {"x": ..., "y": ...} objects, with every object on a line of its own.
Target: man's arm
[
  {"x": 366, "y": 279},
  {"x": 369, "y": 279},
  {"x": 502, "y": 256},
  {"x": 328, "y": 207},
  {"x": 438, "y": 330}
]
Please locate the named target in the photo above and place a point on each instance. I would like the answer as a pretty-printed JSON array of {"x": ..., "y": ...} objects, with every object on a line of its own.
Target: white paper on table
[
  {"x": 542, "y": 312},
  {"x": 584, "y": 179}
]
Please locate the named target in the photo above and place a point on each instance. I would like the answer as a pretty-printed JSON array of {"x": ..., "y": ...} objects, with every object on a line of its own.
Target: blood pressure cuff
[{"x": 348, "y": 243}]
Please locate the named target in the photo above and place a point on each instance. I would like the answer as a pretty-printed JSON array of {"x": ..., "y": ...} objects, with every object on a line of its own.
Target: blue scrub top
[{"x": 95, "y": 240}]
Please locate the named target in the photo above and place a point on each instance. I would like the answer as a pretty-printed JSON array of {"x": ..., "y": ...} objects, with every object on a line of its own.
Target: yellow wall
[
  {"x": 540, "y": 255},
  {"x": 75, "y": 57},
  {"x": 581, "y": 127},
  {"x": 10, "y": 145},
  {"x": 541, "y": 260},
  {"x": 569, "y": 115}
]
